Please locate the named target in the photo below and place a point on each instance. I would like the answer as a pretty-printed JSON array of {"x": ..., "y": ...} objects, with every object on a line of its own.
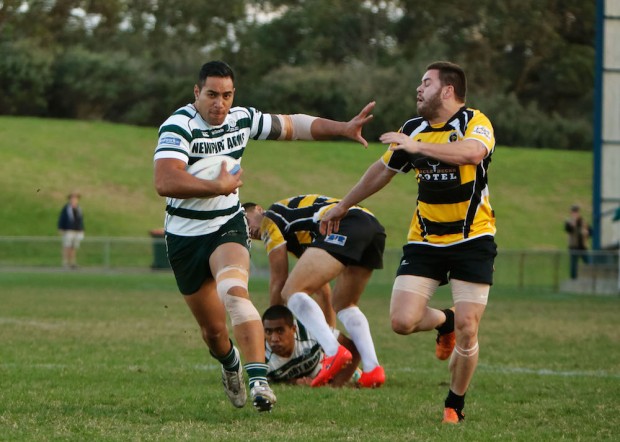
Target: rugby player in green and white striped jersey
[{"x": 205, "y": 228}]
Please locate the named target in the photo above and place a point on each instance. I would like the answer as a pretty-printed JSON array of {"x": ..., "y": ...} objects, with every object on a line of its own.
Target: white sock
[
  {"x": 311, "y": 316},
  {"x": 357, "y": 325}
]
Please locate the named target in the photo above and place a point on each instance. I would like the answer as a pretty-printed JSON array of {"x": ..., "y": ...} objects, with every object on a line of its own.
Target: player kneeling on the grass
[
  {"x": 294, "y": 356},
  {"x": 205, "y": 230},
  {"x": 349, "y": 257}
]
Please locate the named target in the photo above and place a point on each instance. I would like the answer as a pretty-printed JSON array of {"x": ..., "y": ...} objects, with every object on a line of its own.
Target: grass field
[{"x": 118, "y": 357}]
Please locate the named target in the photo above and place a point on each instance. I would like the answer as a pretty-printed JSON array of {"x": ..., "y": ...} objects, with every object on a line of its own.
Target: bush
[
  {"x": 336, "y": 92},
  {"x": 25, "y": 77},
  {"x": 91, "y": 85},
  {"x": 117, "y": 87},
  {"x": 519, "y": 125}
]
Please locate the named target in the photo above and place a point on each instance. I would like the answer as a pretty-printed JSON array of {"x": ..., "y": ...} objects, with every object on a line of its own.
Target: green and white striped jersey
[
  {"x": 304, "y": 362},
  {"x": 187, "y": 137}
]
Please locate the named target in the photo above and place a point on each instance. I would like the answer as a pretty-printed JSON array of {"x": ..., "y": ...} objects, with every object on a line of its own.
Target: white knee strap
[
  {"x": 229, "y": 277},
  {"x": 467, "y": 352},
  {"x": 224, "y": 285},
  {"x": 239, "y": 309}
]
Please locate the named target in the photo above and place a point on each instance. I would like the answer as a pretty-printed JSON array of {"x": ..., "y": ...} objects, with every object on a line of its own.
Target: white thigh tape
[
  {"x": 469, "y": 292},
  {"x": 416, "y": 285},
  {"x": 237, "y": 270}
]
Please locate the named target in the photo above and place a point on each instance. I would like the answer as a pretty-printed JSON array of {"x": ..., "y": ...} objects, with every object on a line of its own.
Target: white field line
[
  {"x": 532, "y": 371},
  {"x": 549, "y": 372},
  {"x": 481, "y": 367},
  {"x": 45, "y": 325}
]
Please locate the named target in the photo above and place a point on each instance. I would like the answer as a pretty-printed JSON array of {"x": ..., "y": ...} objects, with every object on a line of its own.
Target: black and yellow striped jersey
[
  {"x": 295, "y": 221},
  {"x": 453, "y": 201}
]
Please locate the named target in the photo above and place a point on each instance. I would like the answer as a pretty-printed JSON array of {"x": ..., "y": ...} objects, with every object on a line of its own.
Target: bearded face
[{"x": 428, "y": 107}]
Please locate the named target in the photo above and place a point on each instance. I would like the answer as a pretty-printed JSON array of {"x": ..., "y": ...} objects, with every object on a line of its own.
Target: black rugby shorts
[
  {"x": 189, "y": 255},
  {"x": 470, "y": 261},
  {"x": 360, "y": 241}
]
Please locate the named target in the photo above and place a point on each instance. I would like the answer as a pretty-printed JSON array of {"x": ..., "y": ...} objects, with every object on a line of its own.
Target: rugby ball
[{"x": 209, "y": 168}]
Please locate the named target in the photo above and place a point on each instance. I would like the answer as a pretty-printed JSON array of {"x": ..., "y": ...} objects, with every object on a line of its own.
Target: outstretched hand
[{"x": 354, "y": 126}]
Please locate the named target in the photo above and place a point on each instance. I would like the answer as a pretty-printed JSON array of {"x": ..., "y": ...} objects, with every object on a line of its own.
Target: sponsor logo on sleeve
[
  {"x": 484, "y": 131},
  {"x": 171, "y": 141}
]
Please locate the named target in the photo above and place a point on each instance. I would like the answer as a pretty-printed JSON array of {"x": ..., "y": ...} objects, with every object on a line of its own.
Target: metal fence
[{"x": 522, "y": 269}]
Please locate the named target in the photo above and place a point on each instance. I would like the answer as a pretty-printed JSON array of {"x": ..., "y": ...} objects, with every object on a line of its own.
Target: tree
[{"x": 537, "y": 55}]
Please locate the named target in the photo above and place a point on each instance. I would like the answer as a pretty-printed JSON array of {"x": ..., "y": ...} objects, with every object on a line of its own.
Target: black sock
[
  {"x": 230, "y": 361},
  {"x": 454, "y": 401},
  {"x": 448, "y": 326}
]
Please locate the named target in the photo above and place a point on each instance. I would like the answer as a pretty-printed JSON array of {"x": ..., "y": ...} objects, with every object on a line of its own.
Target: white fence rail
[{"x": 522, "y": 269}]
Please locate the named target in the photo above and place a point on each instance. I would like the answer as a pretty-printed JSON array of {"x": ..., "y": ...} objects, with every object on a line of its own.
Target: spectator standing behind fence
[
  {"x": 578, "y": 233},
  {"x": 71, "y": 227}
]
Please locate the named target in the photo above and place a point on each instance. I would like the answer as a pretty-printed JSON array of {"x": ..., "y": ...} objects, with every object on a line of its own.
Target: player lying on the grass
[
  {"x": 349, "y": 257},
  {"x": 292, "y": 353},
  {"x": 205, "y": 229}
]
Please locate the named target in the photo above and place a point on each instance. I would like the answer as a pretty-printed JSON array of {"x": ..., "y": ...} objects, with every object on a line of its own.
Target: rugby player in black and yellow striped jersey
[
  {"x": 451, "y": 236},
  {"x": 349, "y": 257},
  {"x": 293, "y": 216}
]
